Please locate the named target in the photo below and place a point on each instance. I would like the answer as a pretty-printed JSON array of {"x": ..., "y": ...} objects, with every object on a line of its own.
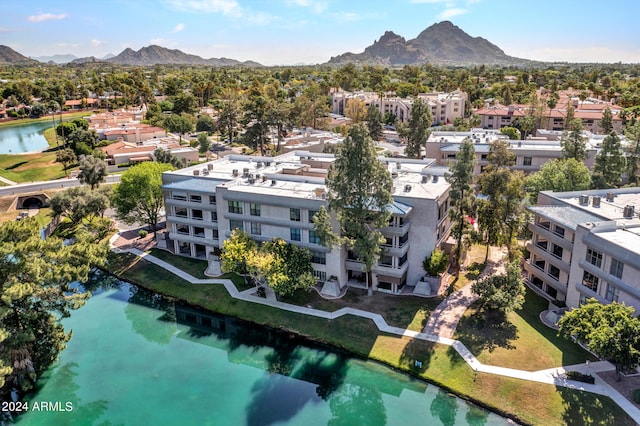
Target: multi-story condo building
[
  {"x": 530, "y": 154},
  {"x": 277, "y": 197},
  {"x": 586, "y": 244},
  {"x": 445, "y": 107}
]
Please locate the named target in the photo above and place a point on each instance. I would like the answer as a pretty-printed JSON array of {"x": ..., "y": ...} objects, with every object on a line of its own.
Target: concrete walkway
[
  {"x": 445, "y": 317},
  {"x": 7, "y": 181},
  {"x": 551, "y": 376}
]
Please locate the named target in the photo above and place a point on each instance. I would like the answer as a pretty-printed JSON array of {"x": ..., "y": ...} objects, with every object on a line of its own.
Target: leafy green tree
[
  {"x": 228, "y": 115},
  {"x": 167, "y": 157},
  {"x": 512, "y": 132},
  {"x": 35, "y": 293},
  {"x": 356, "y": 110},
  {"x": 93, "y": 170},
  {"x": 417, "y": 130},
  {"x": 374, "y": 122},
  {"x": 280, "y": 111},
  {"x": 324, "y": 230},
  {"x": 138, "y": 197},
  {"x": 289, "y": 268},
  {"x": 83, "y": 141},
  {"x": 611, "y": 331},
  {"x": 179, "y": 124},
  {"x": 606, "y": 123},
  {"x": 205, "y": 124},
  {"x": 236, "y": 250},
  {"x": 359, "y": 193},
  {"x": 633, "y": 152},
  {"x": 558, "y": 175},
  {"x": 203, "y": 143},
  {"x": 256, "y": 119},
  {"x": 610, "y": 163},
  {"x": 461, "y": 194},
  {"x": 573, "y": 144},
  {"x": 435, "y": 263},
  {"x": 78, "y": 203},
  {"x": 66, "y": 157},
  {"x": 185, "y": 103},
  {"x": 390, "y": 119},
  {"x": 65, "y": 129},
  {"x": 503, "y": 293}
]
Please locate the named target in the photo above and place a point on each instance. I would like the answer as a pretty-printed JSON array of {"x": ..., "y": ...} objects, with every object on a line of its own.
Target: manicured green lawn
[
  {"x": 529, "y": 402},
  {"x": 520, "y": 341},
  {"x": 23, "y": 168},
  {"x": 195, "y": 267}
]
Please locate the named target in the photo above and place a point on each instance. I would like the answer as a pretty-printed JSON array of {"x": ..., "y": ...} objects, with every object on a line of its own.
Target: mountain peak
[
  {"x": 443, "y": 43},
  {"x": 10, "y": 56}
]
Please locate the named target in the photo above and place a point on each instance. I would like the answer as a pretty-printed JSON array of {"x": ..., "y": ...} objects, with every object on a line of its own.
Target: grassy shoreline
[{"x": 523, "y": 401}]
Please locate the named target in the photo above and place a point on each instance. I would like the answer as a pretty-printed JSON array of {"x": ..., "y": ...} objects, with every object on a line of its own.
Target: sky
[{"x": 290, "y": 32}]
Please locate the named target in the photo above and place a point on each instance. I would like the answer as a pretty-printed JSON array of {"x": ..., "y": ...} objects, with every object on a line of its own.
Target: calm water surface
[
  {"x": 137, "y": 359},
  {"x": 24, "y": 137}
]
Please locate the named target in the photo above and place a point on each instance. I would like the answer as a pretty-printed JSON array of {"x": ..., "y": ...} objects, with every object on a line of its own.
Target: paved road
[{"x": 25, "y": 188}]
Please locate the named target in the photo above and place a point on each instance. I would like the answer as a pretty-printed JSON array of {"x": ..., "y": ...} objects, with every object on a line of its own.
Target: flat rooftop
[
  {"x": 568, "y": 216},
  {"x": 609, "y": 210}
]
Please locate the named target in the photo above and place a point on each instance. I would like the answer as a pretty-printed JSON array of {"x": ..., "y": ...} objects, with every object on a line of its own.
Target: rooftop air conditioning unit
[
  {"x": 398, "y": 165},
  {"x": 267, "y": 163},
  {"x": 425, "y": 179},
  {"x": 595, "y": 201},
  {"x": 258, "y": 164},
  {"x": 235, "y": 172},
  {"x": 435, "y": 179},
  {"x": 407, "y": 188},
  {"x": 628, "y": 211},
  {"x": 196, "y": 172},
  {"x": 264, "y": 178},
  {"x": 610, "y": 196},
  {"x": 210, "y": 166},
  {"x": 273, "y": 182},
  {"x": 251, "y": 181},
  {"x": 245, "y": 172},
  {"x": 584, "y": 200}
]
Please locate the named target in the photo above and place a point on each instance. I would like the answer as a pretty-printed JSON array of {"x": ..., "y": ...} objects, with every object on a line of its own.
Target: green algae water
[{"x": 136, "y": 358}]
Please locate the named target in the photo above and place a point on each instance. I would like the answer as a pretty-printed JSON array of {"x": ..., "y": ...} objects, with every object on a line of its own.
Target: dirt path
[{"x": 444, "y": 319}]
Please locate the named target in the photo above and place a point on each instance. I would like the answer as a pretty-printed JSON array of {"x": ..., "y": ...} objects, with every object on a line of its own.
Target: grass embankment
[
  {"x": 528, "y": 402},
  {"x": 38, "y": 166},
  {"x": 65, "y": 116}
]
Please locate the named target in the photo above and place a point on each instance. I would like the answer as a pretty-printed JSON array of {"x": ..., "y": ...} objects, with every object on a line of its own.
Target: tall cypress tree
[
  {"x": 359, "y": 193},
  {"x": 461, "y": 194},
  {"x": 417, "y": 130},
  {"x": 610, "y": 163},
  {"x": 573, "y": 144}
]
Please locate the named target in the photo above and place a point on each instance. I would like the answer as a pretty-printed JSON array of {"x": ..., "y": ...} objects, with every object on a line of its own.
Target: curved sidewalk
[{"x": 551, "y": 376}]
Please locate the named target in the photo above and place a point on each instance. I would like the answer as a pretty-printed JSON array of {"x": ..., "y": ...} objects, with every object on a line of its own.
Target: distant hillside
[
  {"x": 441, "y": 43},
  {"x": 58, "y": 59},
  {"x": 154, "y": 54},
  {"x": 10, "y": 56}
]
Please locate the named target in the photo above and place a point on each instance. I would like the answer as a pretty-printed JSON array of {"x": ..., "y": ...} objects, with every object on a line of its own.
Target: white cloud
[
  {"x": 4, "y": 30},
  {"x": 353, "y": 16},
  {"x": 450, "y": 13},
  {"x": 225, "y": 7},
  {"x": 261, "y": 18},
  {"x": 95, "y": 42},
  {"x": 178, "y": 28},
  {"x": 46, "y": 17},
  {"x": 316, "y": 6}
]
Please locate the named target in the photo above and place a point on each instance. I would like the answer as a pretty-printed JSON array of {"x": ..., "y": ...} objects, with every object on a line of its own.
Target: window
[
  {"x": 402, "y": 260},
  {"x": 388, "y": 241},
  {"x": 320, "y": 275},
  {"x": 403, "y": 240},
  {"x": 313, "y": 238},
  {"x": 554, "y": 272},
  {"x": 295, "y": 234},
  {"x": 590, "y": 281},
  {"x": 198, "y": 232},
  {"x": 616, "y": 268},
  {"x": 559, "y": 230},
  {"x": 312, "y": 213},
  {"x": 195, "y": 198},
  {"x": 236, "y": 224},
  {"x": 294, "y": 214},
  {"x": 214, "y": 216},
  {"x": 180, "y": 211},
  {"x": 526, "y": 161},
  {"x": 319, "y": 257},
  {"x": 235, "y": 207},
  {"x": 215, "y": 233},
  {"x": 594, "y": 257},
  {"x": 182, "y": 229},
  {"x": 254, "y": 209},
  {"x": 483, "y": 157},
  {"x": 196, "y": 214},
  {"x": 212, "y": 199},
  {"x": 386, "y": 261},
  {"x": 557, "y": 250},
  {"x": 612, "y": 293},
  {"x": 179, "y": 197},
  {"x": 256, "y": 229}
]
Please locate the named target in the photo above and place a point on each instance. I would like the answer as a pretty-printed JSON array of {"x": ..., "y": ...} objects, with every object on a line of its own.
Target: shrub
[
  {"x": 636, "y": 396},
  {"x": 143, "y": 233},
  {"x": 436, "y": 263},
  {"x": 579, "y": 377}
]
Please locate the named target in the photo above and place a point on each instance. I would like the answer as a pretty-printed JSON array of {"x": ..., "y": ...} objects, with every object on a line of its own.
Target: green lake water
[
  {"x": 134, "y": 359},
  {"x": 21, "y": 138}
]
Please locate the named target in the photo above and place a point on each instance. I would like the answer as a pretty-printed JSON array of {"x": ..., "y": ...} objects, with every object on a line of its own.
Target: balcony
[
  {"x": 181, "y": 220},
  {"x": 540, "y": 251},
  {"x": 548, "y": 235},
  {"x": 535, "y": 270},
  {"x": 397, "y": 230},
  {"x": 390, "y": 271}
]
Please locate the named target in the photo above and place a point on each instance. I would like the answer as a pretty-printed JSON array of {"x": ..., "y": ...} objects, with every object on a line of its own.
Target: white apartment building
[
  {"x": 530, "y": 154},
  {"x": 586, "y": 244},
  {"x": 277, "y": 197},
  {"x": 445, "y": 107}
]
